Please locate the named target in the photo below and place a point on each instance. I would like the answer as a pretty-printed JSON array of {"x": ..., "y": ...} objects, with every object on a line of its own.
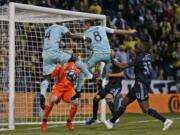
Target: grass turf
[{"x": 130, "y": 124}]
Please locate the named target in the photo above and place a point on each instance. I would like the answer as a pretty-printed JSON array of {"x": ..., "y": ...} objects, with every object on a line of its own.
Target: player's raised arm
[
  {"x": 120, "y": 31},
  {"x": 121, "y": 65},
  {"x": 114, "y": 75},
  {"x": 77, "y": 36}
]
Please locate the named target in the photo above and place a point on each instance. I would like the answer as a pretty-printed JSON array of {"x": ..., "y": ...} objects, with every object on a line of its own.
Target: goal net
[{"x": 22, "y": 30}]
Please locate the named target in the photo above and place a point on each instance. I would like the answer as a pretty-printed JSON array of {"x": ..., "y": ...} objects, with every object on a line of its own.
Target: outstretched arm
[
  {"x": 121, "y": 65},
  {"x": 120, "y": 31},
  {"x": 77, "y": 36},
  {"x": 123, "y": 32},
  {"x": 114, "y": 75}
]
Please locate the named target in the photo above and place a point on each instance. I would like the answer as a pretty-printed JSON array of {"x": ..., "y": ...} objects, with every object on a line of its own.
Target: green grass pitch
[{"x": 130, "y": 124}]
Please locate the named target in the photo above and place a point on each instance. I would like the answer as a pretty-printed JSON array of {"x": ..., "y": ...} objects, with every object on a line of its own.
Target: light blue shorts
[
  {"x": 51, "y": 58},
  {"x": 96, "y": 58}
]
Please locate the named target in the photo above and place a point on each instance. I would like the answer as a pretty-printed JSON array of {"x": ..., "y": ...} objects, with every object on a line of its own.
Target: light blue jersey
[
  {"x": 98, "y": 35},
  {"x": 53, "y": 36}
]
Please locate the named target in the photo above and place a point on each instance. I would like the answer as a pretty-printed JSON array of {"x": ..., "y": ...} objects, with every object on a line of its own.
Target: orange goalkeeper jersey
[{"x": 59, "y": 73}]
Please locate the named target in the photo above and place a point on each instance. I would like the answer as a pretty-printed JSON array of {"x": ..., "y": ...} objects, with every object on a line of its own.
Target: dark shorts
[
  {"x": 139, "y": 91},
  {"x": 109, "y": 90}
]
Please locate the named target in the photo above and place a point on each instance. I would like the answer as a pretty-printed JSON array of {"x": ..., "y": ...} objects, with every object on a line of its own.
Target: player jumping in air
[
  {"x": 63, "y": 89},
  {"x": 141, "y": 88},
  {"x": 111, "y": 91},
  {"x": 100, "y": 46},
  {"x": 52, "y": 55}
]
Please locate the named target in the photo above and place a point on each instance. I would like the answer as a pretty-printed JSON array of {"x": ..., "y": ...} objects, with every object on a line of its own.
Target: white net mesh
[
  {"x": 29, "y": 28},
  {"x": 4, "y": 93}
]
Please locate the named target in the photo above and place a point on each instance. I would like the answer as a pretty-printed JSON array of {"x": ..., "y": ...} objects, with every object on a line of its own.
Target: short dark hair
[
  {"x": 146, "y": 46},
  {"x": 91, "y": 22}
]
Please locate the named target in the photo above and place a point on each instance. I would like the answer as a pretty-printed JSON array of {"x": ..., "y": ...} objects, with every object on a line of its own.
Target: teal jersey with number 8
[
  {"x": 53, "y": 36},
  {"x": 98, "y": 35}
]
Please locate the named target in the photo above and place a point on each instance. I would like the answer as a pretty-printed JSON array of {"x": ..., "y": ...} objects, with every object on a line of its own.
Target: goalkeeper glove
[{"x": 77, "y": 95}]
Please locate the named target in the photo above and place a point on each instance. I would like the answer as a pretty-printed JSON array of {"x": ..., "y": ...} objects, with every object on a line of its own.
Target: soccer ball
[{"x": 71, "y": 75}]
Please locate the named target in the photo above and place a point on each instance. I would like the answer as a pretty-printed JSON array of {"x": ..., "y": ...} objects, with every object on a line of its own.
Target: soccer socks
[
  {"x": 80, "y": 82},
  {"x": 111, "y": 105},
  {"x": 44, "y": 87},
  {"x": 155, "y": 114},
  {"x": 48, "y": 109},
  {"x": 72, "y": 113},
  {"x": 118, "y": 114},
  {"x": 95, "y": 108}
]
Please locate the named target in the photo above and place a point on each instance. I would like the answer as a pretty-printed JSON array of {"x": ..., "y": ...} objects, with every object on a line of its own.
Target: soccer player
[
  {"x": 141, "y": 88},
  {"x": 111, "y": 90},
  {"x": 100, "y": 46},
  {"x": 52, "y": 55},
  {"x": 63, "y": 89}
]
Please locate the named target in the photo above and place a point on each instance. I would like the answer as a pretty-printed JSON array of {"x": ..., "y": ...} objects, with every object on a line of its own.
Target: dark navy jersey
[
  {"x": 142, "y": 67},
  {"x": 115, "y": 82}
]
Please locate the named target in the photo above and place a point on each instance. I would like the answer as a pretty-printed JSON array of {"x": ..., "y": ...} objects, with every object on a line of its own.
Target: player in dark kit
[
  {"x": 140, "y": 90},
  {"x": 109, "y": 92}
]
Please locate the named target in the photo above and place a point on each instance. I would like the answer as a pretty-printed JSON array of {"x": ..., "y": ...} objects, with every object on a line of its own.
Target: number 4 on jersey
[{"x": 48, "y": 34}]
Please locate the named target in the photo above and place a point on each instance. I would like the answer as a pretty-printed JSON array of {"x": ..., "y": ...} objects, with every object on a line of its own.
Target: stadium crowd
[{"x": 156, "y": 20}]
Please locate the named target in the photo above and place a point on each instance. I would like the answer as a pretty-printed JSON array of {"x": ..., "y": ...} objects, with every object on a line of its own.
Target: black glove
[
  {"x": 77, "y": 95},
  {"x": 42, "y": 102}
]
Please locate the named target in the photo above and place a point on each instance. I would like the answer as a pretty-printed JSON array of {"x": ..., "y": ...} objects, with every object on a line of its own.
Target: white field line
[
  {"x": 146, "y": 121},
  {"x": 83, "y": 125}
]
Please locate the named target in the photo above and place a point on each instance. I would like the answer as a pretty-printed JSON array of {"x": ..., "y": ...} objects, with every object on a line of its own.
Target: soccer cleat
[
  {"x": 89, "y": 122},
  {"x": 70, "y": 126},
  {"x": 108, "y": 124},
  {"x": 117, "y": 121},
  {"x": 93, "y": 77},
  {"x": 42, "y": 102},
  {"x": 167, "y": 124},
  {"x": 44, "y": 127}
]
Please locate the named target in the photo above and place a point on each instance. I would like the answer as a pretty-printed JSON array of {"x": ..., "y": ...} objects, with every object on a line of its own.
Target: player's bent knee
[
  {"x": 108, "y": 100},
  {"x": 98, "y": 97},
  {"x": 53, "y": 100},
  {"x": 109, "y": 96},
  {"x": 75, "y": 102},
  {"x": 96, "y": 100}
]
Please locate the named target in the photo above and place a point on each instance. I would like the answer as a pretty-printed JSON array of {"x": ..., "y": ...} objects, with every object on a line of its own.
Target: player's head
[
  {"x": 143, "y": 47},
  {"x": 72, "y": 72},
  {"x": 88, "y": 24}
]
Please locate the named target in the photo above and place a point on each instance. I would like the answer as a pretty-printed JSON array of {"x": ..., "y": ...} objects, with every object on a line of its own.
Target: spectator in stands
[
  {"x": 176, "y": 58},
  {"x": 95, "y": 7},
  {"x": 165, "y": 29},
  {"x": 118, "y": 21}
]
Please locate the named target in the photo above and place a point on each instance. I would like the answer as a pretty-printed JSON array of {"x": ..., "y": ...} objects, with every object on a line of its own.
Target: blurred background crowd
[{"x": 156, "y": 20}]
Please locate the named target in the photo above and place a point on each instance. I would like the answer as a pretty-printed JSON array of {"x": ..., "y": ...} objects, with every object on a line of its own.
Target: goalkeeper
[
  {"x": 52, "y": 55},
  {"x": 63, "y": 88}
]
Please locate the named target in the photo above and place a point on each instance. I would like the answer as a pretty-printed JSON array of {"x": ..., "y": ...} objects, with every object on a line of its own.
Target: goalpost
[{"x": 21, "y": 40}]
